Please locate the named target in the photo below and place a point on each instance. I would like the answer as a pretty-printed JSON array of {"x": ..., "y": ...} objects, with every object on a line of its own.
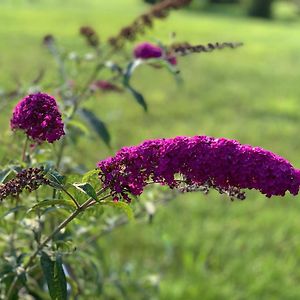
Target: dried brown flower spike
[
  {"x": 186, "y": 48},
  {"x": 90, "y": 35},
  {"x": 139, "y": 25},
  {"x": 29, "y": 179}
]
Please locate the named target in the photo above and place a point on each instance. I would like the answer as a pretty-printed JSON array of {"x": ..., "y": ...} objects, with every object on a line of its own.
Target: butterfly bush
[
  {"x": 38, "y": 115},
  {"x": 201, "y": 159}
]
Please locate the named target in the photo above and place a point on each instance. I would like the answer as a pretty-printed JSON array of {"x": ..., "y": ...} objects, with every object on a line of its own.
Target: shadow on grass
[{"x": 282, "y": 12}]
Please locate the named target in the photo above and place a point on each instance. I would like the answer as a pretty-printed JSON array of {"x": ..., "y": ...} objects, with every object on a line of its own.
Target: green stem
[
  {"x": 60, "y": 152},
  {"x": 72, "y": 198},
  {"x": 24, "y": 149}
]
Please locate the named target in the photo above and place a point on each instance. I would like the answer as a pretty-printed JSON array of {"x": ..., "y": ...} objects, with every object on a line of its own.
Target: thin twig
[
  {"x": 70, "y": 195},
  {"x": 24, "y": 149}
]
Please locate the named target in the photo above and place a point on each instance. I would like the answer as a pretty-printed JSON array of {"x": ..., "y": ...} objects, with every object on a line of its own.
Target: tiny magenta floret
[
  {"x": 39, "y": 117},
  {"x": 199, "y": 160}
]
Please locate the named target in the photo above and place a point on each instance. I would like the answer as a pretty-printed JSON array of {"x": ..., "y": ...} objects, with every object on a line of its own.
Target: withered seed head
[
  {"x": 48, "y": 40},
  {"x": 186, "y": 48},
  {"x": 90, "y": 35},
  {"x": 29, "y": 179}
]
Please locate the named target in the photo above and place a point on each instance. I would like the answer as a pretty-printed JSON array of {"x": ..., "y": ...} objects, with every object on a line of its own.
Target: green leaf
[
  {"x": 126, "y": 82},
  {"x": 130, "y": 69},
  {"x": 60, "y": 278},
  {"x": 48, "y": 269},
  {"x": 13, "y": 210},
  {"x": 87, "y": 189},
  {"x": 126, "y": 208},
  {"x": 138, "y": 97},
  {"x": 55, "y": 178},
  {"x": 4, "y": 174},
  {"x": 55, "y": 277},
  {"x": 16, "y": 168},
  {"x": 50, "y": 202},
  {"x": 89, "y": 175},
  {"x": 79, "y": 125},
  {"x": 96, "y": 124}
]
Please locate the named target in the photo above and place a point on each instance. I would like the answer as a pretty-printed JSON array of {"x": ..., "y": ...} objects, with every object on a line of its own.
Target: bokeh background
[{"x": 197, "y": 247}]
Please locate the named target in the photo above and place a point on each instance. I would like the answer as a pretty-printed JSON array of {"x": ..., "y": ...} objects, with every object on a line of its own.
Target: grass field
[{"x": 200, "y": 247}]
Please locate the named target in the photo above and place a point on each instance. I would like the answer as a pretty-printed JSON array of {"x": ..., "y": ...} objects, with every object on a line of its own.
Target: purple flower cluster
[
  {"x": 38, "y": 115},
  {"x": 198, "y": 160},
  {"x": 147, "y": 50}
]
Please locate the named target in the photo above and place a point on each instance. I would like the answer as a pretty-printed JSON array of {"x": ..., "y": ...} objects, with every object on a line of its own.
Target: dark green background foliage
[
  {"x": 261, "y": 8},
  {"x": 253, "y": 8},
  {"x": 197, "y": 246}
]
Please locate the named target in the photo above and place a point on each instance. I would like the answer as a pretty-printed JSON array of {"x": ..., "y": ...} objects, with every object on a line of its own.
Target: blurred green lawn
[{"x": 202, "y": 247}]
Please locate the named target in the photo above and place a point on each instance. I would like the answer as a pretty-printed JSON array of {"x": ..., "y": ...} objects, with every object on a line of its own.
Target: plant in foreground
[{"x": 186, "y": 163}]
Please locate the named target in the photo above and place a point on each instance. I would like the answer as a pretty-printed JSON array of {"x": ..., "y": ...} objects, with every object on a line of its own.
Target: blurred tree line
[{"x": 253, "y": 8}]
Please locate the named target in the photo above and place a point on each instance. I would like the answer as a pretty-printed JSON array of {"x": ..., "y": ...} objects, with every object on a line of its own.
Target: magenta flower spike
[
  {"x": 201, "y": 160},
  {"x": 39, "y": 117},
  {"x": 147, "y": 50}
]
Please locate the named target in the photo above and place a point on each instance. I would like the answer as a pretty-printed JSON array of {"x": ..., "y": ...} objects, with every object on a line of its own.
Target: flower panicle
[
  {"x": 202, "y": 162},
  {"x": 38, "y": 116},
  {"x": 186, "y": 48},
  {"x": 144, "y": 21},
  {"x": 29, "y": 179}
]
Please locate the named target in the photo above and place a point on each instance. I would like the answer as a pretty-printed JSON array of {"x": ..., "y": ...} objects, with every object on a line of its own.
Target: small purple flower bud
[
  {"x": 172, "y": 59},
  {"x": 38, "y": 115},
  {"x": 146, "y": 51}
]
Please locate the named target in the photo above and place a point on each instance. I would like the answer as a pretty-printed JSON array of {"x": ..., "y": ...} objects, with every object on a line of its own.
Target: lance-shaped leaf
[
  {"x": 126, "y": 82},
  {"x": 96, "y": 124},
  {"x": 55, "y": 276},
  {"x": 51, "y": 202},
  {"x": 87, "y": 189},
  {"x": 55, "y": 178},
  {"x": 4, "y": 174},
  {"x": 78, "y": 125}
]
